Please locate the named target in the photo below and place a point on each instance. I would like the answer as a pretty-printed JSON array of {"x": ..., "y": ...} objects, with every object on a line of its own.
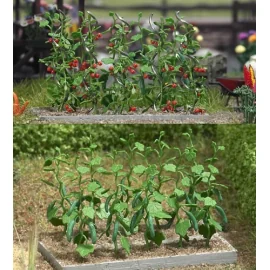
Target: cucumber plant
[{"x": 151, "y": 188}]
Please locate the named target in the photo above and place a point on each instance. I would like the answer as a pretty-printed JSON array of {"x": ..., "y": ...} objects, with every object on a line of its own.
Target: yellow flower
[
  {"x": 199, "y": 38},
  {"x": 252, "y": 38},
  {"x": 240, "y": 49}
]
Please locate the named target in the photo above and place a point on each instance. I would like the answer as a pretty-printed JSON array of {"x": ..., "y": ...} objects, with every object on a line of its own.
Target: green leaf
[
  {"x": 198, "y": 169},
  {"x": 186, "y": 181},
  {"x": 89, "y": 212},
  {"x": 76, "y": 35},
  {"x": 213, "y": 169},
  {"x": 214, "y": 223},
  {"x": 119, "y": 207},
  {"x": 139, "y": 169},
  {"x": 146, "y": 69},
  {"x": 66, "y": 219},
  {"x": 48, "y": 162},
  {"x": 101, "y": 170},
  {"x": 107, "y": 61},
  {"x": 179, "y": 192},
  {"x": 56, "y": 221},
  {"x": 93, "y": 146},
  {"x": 152, "y": 170},
  {"x": 43, "y": 23},
  {"x": 170, "y": 168},
  {"x": 83, "y": 170},
  {"x": 158, "y": 196},
  {"x": 159, "y": 237},
  {"x": 78, "y": 80},
  {"x": 51, "y": 210},
  {"x": 154, "y": 207},
  {"x": 221, "y": 148},
  {"x": 206, "y": 175},
  {"x": 151, "y": 48},
  {"x": 116, "y": 167},
  {"x": 165, "y": 145},
  {"x": 198, "y": 196},
  {"x": 125, "y": 244},
  {"x": 204, "y": 230},
  {"x": 169, "y": 20},
  {"x": 199, "y": 214},
  {"x": 93, "y": 186},
  {"x": 209, "y": 202},
  {"x": 181, "y": 38},
  {"x": 139, "y": 146},
  {"x": 96, "y": 161},
  {"x": 172, "y": 202},
  {"x": 101, "y": 213},
  {"x": 85, "y": 250},
  {"x": 182, "y": 227},
  {"x": 161, "y": 215},
  {"x": 136, "y": 37},
  {"x": 190, "y": 154}
]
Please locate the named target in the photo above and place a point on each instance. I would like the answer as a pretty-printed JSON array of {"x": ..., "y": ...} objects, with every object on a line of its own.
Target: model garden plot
[
  {"x": 162, "y": 73},
  {"x": 135, "y": 203}
]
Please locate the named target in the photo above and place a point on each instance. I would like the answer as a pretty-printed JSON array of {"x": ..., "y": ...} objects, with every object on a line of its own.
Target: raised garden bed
[
  {"x": 167, "y": 255},
  {"x": 85, "y": 116}
]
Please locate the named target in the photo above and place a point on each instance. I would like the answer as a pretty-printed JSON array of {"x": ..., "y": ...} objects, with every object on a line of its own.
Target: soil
[
  {"x": 104, "y": 250},
  {"x": 46, "y": 115}
]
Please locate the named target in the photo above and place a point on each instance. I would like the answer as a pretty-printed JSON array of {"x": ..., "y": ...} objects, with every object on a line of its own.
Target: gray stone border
[
  {"x": 219, "y": 257},
  {"x": 169, "y": 118}
]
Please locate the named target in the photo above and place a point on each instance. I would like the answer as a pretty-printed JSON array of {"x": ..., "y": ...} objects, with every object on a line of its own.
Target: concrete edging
[{"x": 219, "y": 257}]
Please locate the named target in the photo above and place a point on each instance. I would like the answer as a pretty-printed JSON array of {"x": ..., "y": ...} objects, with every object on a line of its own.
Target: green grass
[{"x": 35, "y": 92}]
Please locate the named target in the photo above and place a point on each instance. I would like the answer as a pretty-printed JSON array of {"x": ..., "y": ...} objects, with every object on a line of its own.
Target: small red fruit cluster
[
  {"x": 73, "y": 63},
  {"x": 51, "y": 40},
  {"x": 84, "y": 66},
  {"x": 131, "y": 69},
  {"x": 132, "y": 109},
  {"x": 198, "y": 111},
  {"x": 98, "y": 36},
  {"x": 182, "y": 72},
  {"x": 68, "y": 108},
  {"x": 200, "y": 69},
  {"x": 154, "y": 42},
  {"x": 170, "y": 106},
  {"x": 94, "y": 75},
  {"x": 111, "y": 44},
  {"x": 51, "y": 70}
]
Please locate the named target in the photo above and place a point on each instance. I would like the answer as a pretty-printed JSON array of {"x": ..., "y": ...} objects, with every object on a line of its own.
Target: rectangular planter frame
[{"x": 220, "y": 257}]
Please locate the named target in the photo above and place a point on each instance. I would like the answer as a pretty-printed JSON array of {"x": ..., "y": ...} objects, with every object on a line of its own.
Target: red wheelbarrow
[{"x": 228, "y": 85}]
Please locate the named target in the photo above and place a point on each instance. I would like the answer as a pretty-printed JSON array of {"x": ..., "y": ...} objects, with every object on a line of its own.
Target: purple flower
[
  {"x": 251, "y": 32},
  {"x": 242, "y": 36}
]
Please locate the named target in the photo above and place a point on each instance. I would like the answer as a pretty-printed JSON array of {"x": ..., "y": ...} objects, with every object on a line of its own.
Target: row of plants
[
  {"x": 161, "y": 73},
  {"x": 136, "y": 199},
  {"x": 41, "y": 140}
]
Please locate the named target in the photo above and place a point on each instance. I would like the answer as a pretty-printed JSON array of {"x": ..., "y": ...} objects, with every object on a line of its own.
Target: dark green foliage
[
  {"x": 36, "y": 140},
  {"x": 240, "y": 169}
]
